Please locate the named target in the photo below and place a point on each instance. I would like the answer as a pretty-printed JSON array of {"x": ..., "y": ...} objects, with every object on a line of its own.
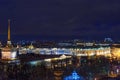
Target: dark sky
[{"x": 92, "y": 19}]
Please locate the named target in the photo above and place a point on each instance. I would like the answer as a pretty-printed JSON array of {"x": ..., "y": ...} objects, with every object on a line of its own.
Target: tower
[
  {"x": 9, "y": 35},
  {"x": 8, "y": 52}
]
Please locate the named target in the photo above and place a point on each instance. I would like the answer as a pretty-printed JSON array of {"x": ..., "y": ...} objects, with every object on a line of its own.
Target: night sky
[{"x": 68, "y": 19}]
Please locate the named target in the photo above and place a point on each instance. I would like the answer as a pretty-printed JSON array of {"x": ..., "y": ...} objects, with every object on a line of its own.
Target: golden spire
[
  {"x": 8, "y": 42},
  {"x": 8, "y": 29}
]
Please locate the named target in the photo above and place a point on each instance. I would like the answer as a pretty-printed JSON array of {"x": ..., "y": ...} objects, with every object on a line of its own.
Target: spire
[
  {"x": 8, "y": 29},
  {"x": 8, "y": 42}
]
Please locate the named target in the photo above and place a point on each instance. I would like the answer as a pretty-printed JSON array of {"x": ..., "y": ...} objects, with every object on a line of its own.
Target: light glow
[{"x": 74, "y": 76}]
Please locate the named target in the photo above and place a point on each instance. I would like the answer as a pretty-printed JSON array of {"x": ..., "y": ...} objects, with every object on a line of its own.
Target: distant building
[
  {"x": 85, "y": 44},
  {"x": 108, "y": 40},
  {"x": 65, "y": 44}
]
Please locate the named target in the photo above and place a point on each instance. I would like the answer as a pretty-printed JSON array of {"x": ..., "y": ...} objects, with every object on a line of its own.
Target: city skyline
[
  {"x": 61, "y": 19},
  {"x": 59, "y": 40}
]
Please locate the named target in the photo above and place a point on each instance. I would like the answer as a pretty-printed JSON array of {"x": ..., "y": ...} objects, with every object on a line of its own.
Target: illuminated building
[
  {"x": 8, "y": 52},
  {"x": 78, "y": 51},
  {"x": 116, "y": 52}
]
